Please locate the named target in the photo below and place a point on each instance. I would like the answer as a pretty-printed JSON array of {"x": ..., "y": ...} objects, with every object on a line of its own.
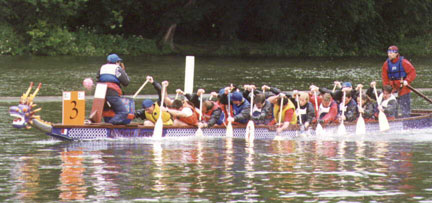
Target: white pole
[{"x": 189, "y": 74}]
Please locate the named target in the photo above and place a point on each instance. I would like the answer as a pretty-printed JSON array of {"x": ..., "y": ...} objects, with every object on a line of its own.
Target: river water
[{"x": 377, "y": 167}]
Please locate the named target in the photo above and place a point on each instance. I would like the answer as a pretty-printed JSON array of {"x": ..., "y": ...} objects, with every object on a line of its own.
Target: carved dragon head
[{"x": 24, "y": 113}]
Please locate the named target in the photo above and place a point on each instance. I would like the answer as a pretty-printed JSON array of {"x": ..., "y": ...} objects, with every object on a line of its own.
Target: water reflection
[
  {"x": 72, "y": 176},
  {"x": 226, "y": 169},
  {"x": 28, "y": 178}
]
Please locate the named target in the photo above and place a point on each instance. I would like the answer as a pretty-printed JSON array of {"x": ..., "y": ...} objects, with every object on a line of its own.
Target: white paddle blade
[
  {"x": 361, "y": 126},
  {"x": 341, "y": 129},
  {"x": 199, "y": 133},
  {"x": 319, "y": 130},
  {"x": 229, "y": 130},
  {"x": 383, "y": 122},
  {"x": 250, "y": 130},
  {"x": 157, "y": 132}
]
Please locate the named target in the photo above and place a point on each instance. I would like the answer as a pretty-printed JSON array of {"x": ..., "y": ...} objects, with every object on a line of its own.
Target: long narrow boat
[{"x": 25, "y": 117}]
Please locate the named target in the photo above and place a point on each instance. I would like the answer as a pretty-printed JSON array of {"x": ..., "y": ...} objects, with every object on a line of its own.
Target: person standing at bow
[
  {"x": 114, "y": 75},
  {"x": 399, "y": 72}
]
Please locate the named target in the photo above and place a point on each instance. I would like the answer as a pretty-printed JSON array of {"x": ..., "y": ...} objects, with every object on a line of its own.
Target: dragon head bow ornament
[{"x": 25, "y": 113}]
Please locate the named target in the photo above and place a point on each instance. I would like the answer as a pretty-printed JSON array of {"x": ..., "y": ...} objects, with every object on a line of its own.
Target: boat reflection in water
[{"x": 195, "y": 169}]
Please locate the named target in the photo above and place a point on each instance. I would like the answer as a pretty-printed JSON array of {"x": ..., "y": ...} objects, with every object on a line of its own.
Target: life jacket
[
  {"x": 153, "y": 117},
  {"x": 237, "y": 109},
  {"x": 323, "y": 110},
  {"x": 107, "y": 74},
  {"x": 269, "y": 114},
  {"x": 190, "y": 120},
  {"x": 384, "y": 103},
  {"x": 396, "y": 71},
  {"x": 289, "y": 105},
  {"x": 302, "y": 112},
  {"x": 206, "y": 116}
]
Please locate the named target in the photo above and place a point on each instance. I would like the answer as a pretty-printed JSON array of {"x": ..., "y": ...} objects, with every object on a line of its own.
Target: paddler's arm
[
  {"x": 245, "y": 114},
  {"x": 214, "y": 117},
  {"x": 123, "y": 77}
]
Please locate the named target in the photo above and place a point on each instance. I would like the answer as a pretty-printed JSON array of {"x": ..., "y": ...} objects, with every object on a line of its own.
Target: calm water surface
[{"x": 373, "y": 168}]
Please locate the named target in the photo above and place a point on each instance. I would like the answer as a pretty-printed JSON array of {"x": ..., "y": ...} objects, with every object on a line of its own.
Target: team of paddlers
[
  {"x": 233, "y": 104},
  {"x": 267, "y": 105}
]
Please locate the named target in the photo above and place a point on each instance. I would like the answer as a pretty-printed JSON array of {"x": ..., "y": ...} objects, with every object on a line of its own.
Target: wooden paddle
[
  {"x": 250, "y": 128},
  {"x": 382, "y": 118},
  {"x": 199, "y": 132},
  {"x": 139, "y": 90},
  {"x": 319, "y": 129},
  {"x": 361, "y": 126},
  {"x": 341, "y": 128},
  {"x": 280, "y": 119},
  {"x": 419, "y": 93},
  {"x": 229, "y": 128},
  {"x": 157, "y": 132}
]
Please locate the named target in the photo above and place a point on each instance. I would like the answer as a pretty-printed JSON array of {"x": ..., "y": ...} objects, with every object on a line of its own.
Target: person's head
[
  {"x": 284, "y": 102},
  {"x": 236, "y": 98},
  {"x": 177, "y": 104},
  {"x": 259, "y": 100},
  {"x": 326, "y": 100},
  {"x": 387, "y": 90},
  {"x": 207, "y": 106},
  {"x": 347, "y": 97},
  {"x": 113, "y": 58},
  {"x": 364, "y": 99},
  {"x": 303, "y": 98},
  {"x": 347, "y": 85},
  {"x": 148, "y": 105},
  {"x": 392, "y": 52}
]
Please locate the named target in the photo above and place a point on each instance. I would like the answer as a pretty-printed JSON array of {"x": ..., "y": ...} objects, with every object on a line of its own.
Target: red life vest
[
  {"x": 207, "y": 115},
  {"x": 190, "y": 120},
  {"x": 114, "y": 86}
]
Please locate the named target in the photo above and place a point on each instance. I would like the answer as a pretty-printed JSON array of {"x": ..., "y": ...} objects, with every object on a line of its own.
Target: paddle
[
  {"x": 229, "y": 128},
  {"x": 419, "y": 93},
  {"x": 250, "y": 128},
  {"x": 334, "y": 87},
  {"x": 319, "y": 129},
  {"x": 280, "y": 119},
  {"x": 157, "y": 132},
  {"x": 382, "y": 118},
  {"x": 139, "y": 90},
  {"x": 341, "y": 128},
  {"x": 361, "y": 126},
  {"x": 199, "y": 132}
]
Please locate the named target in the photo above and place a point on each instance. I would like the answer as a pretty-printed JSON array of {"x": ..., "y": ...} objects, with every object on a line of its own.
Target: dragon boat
[{"x": 25, "y": 116}]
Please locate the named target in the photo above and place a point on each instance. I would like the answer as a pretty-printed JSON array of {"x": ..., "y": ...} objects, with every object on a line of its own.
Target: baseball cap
[
  {"x": 113, "y": 58},
  {"x": 147, "y": 103}
]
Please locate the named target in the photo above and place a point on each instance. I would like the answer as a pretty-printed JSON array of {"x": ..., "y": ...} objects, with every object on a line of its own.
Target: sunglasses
[{"x": 392, "y": 51}]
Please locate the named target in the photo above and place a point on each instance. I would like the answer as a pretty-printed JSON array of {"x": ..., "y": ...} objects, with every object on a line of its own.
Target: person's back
[{"x": 114, "y": 75}]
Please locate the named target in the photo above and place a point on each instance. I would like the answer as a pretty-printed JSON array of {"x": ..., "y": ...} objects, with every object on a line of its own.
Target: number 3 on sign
[{"x": 73, "y": 108}]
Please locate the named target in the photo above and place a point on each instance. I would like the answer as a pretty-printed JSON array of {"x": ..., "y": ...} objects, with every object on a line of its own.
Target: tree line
[{"x": 292, "y": 27}]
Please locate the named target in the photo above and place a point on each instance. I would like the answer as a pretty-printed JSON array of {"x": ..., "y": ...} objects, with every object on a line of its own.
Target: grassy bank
[{"x": 46, "y": 40}]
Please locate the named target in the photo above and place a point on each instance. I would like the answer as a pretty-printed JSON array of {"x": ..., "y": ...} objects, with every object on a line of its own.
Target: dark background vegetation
[{"x": 215, "y": 27}]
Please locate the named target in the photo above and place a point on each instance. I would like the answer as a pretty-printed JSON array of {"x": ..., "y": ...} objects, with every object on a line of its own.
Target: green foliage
[
  {"x": 240, "y": 27},
  {"x": 10, "y": 42}
]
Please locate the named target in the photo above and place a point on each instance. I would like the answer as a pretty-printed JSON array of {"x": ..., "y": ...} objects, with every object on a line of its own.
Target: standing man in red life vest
[
  {"x": 114, "y": 75},
  {"x": 399, "y": 72}
]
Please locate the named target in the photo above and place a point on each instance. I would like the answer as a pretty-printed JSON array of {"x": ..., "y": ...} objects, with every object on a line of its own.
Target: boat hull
[{"x": 103, "y": 131}]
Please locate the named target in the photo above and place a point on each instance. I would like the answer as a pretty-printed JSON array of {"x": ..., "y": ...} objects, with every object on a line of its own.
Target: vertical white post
[{"x": 189, "y": 74}]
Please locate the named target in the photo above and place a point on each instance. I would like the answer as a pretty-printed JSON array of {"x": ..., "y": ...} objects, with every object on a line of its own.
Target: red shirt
[{"x": 411, "y": 75}]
